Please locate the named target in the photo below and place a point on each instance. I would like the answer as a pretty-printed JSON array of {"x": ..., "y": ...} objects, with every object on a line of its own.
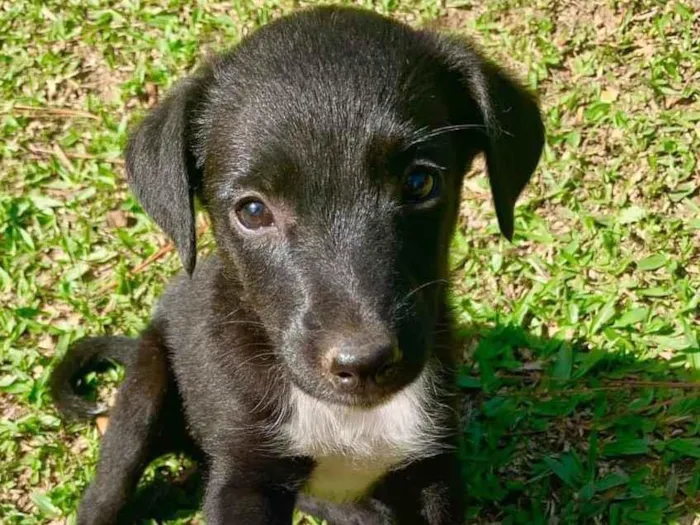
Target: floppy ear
[
  {"x": 514, "y": 129},
  {"x": 161, "y": 166}
]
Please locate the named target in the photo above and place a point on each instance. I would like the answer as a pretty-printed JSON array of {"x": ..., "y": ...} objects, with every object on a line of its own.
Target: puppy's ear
[
  {"x": 161, "y": 167},
  {"x": 514, "y": 130}
]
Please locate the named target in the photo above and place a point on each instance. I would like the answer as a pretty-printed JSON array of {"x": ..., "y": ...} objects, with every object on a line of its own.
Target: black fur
[{"x": 320, "y": 115}]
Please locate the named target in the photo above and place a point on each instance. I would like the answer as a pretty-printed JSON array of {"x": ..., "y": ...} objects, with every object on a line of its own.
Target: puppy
[{"x": 309, "y": 362}]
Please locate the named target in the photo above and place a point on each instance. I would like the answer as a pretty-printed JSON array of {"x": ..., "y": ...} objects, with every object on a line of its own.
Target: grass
[{"x": 582, "y": 399}]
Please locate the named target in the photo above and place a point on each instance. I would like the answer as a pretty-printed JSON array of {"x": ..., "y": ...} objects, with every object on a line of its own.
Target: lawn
[{"x": 582, "y": 363}]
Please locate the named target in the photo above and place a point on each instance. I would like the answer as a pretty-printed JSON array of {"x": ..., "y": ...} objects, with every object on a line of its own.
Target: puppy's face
[
  {"x": 337, "y": 225},
  {"x": 329, "y": 149}
]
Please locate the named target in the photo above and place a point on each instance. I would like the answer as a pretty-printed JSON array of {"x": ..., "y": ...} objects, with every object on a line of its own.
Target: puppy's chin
[{"x": 364, "y": 397}]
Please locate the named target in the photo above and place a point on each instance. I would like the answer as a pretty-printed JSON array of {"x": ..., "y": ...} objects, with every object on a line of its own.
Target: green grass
[{"x": 582, "y": 399}]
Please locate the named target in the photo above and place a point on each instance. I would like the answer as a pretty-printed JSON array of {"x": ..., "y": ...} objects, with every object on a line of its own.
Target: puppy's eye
[
  {"x": 254, "y": 215},
  {"x": 420, "y": 184}
]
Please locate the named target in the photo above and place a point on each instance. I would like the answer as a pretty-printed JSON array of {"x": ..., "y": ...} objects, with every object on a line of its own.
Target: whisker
[
  {"x": 266, "y": 399},
  {"x": 231, "y": 314},
  {"x": 438, "y": 332},
  {"x": 263, "y": 355},
  {"x": 425, "y": 135},
  {"x": 421, "y": 286}
]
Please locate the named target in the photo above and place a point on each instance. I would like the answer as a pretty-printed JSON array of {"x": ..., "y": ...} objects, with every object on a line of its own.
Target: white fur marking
[
  {"x": 338, "y": 478},
  {"x": 353, "y": 447}
]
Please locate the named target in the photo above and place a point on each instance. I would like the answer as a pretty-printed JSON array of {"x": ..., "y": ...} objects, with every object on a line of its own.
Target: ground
[{"x": 582, "y": 399}]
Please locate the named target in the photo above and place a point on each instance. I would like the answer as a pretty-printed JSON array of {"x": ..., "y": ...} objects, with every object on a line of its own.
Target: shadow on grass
[
  {"x": 555, "y": 429},
  {"x": 555, "y": 432},
  {"x": 165, "y": 497}
]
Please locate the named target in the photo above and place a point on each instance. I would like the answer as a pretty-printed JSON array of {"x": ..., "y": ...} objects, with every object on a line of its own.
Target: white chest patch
[
  {"x": 353, "y": 448},
  {"x": 339, "y": 478}
]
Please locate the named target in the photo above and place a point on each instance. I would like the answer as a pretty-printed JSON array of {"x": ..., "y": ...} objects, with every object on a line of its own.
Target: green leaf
[
  {"x": 26, "y": 238},
  {"x": 689, "y": 447},
  {"x": 637, "y": 315},
  {"x": 631, "y": 215},
  {"x": 626, "y": 447},
  {"x": 557, "y": 407},
  {"x": 45, "y": 203},
  {"x": 690, "y": 335},
  {"x": 654, "y": 291},
  {"x": 7, "y": 380},
  {"x": 77, "y": 271},
  {"x": 44, "y": 504},
  {"x": 459, "y": 249},
  {"x": 614, "y": 479},
  {"x": 652, "y": 262},
  {"x": 564, "y": 363},
  {"x": 651, "y": 517},
  {"x": 590, "y": 360},
  {"x": 606, "y": 313},
  {"x": 615, "y": 514},
  {"x": 596, "y": 111},
  {"x": 496, "y": 261},
  {"x": 465, "y": 381},
  {"x": 568, "y": 469},
  {"x": 678, "y": 342}
]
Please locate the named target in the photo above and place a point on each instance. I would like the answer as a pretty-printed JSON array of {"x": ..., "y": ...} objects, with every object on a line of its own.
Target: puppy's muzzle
[{"x": 362, "y": 361}]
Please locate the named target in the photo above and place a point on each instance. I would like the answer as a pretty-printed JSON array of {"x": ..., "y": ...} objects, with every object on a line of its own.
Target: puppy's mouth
[
  {"x": 365, "y": 398},
  {"x": 359, "y": 387}
]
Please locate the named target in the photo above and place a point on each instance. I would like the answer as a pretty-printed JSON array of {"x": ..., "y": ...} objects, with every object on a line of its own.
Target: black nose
[{"x": 361, "y": 360}]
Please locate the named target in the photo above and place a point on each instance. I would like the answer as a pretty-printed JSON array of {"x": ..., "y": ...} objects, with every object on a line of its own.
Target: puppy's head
[{"x": 329, "y": 149}]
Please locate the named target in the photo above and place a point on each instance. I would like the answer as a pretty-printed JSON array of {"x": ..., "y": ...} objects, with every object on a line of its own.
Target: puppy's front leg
[
  {"x": 428, "y": 492},
  {"x": 367, "y": 512},
  {"x": 229, "y": 503},
  {"x": 252, "y": 494},
  {"x": 131, "y": 439}
]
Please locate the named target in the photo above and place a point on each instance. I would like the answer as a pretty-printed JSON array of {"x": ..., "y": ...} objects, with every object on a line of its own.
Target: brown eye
[
  {"x": 420, "y": 185},
  {"x": 254, "y": 215}
]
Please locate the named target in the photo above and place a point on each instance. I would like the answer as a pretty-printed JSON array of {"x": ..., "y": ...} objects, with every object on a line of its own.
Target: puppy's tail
[{"x": 85, "y": 356}]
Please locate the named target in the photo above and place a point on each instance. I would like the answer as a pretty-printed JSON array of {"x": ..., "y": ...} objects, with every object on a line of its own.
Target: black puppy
[{"x": 309, "y": 361}]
